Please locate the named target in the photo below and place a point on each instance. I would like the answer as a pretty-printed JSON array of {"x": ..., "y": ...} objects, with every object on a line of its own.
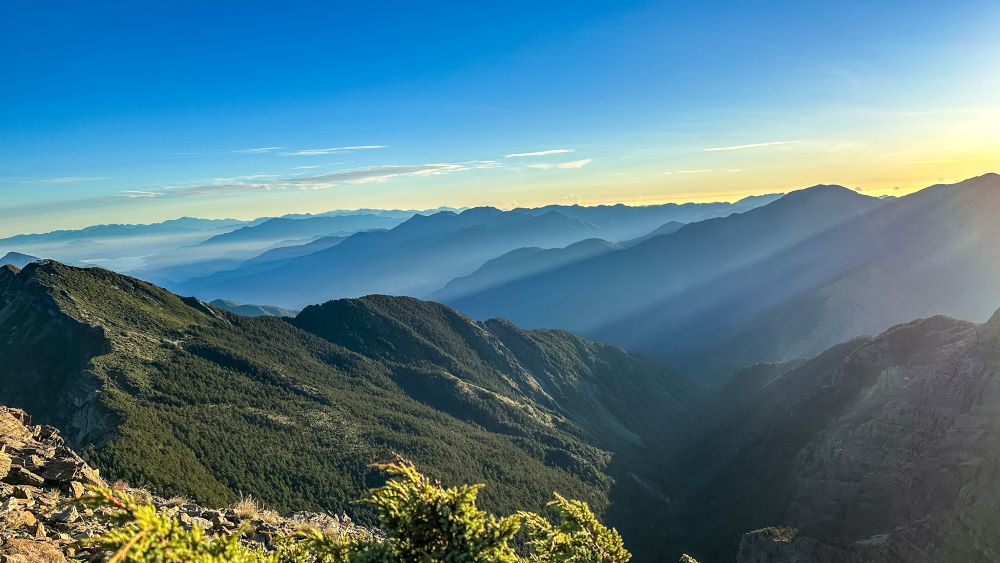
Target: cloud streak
[
  {"x": 750, "y": 146},
  {"x": 570, "y": 165},
  {"x": 258, "y": 150},
  {"x": 332, "y": 150},
  {"x": 139, "y": 194},
  {"x": 539, "y": 153},
  {"x": 266, "y": 182},
  {"x": 69, "y": 179}
]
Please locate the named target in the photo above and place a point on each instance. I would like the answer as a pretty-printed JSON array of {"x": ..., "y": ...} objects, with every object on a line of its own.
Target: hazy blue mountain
[
  {"x": 784, "y": 281},
  {"x": 295, "y": 250},
  {"x": 249, "y": 310},
  {"x": 669, "y": 293},
  {"x": 17, "y": 259},
  {"x": 230, "y": 250},
  {"x": 415, "y": 258},
  {"x": 521, "y": 263},
  {"x": 396, "y": 213},
  {"x": 624, "y": 222},
  {"x": 930, "y": 252},
  {"x": 119, "y": 247},
  {"x": 281, "y": 229},
  {"x": 664, "y": 229},
  {"x": 424, "y": 253},
  {"x": 95, "y": 232}
]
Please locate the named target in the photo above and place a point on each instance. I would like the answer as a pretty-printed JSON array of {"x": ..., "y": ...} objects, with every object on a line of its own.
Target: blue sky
[{"x": 141, "y": 111}]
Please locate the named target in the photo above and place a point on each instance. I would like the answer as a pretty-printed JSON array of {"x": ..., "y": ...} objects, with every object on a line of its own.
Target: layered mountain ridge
[{"x": 782, "y": 281}]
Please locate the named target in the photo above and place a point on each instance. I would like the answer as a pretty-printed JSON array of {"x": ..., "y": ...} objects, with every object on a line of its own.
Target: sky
[{"x": 136, "y": 112}]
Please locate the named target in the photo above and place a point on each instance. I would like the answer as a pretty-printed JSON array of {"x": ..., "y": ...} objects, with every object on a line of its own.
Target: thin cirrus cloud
[
  {"x": 268, "y": 182},
  {"x": 332, "y": 150},
  {"x": 259, "y": 150},
  {"x": 539, "y": 153},
  {"x": 68, "y": 179},
  {"x": 140, "y": 194},
  {"x": 750, "y": 146},
  {"x": 570, "y": 165}
]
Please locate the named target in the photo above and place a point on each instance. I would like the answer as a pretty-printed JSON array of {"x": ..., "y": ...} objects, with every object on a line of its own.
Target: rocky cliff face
[{"x": 904, "y": 468}]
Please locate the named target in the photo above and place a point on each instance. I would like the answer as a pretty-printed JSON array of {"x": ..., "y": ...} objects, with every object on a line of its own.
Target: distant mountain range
[
  {"x": 119, "y": 247},
  {"x": 281, "y": 229},
  {"x": 423, "y": 254},
  {"x": 248, "y": 310},
  {"x": 522, "y": 263},
  {"x": 155, "y": 250},
  {"x": 233, "y": 248},
  {"x": 782, "y": 281}
]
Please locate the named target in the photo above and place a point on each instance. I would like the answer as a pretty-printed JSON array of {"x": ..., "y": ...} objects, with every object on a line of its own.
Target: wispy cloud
[
  {"x": 750, "y": 146},
  {"x": 305, "y": 167},
  {"x": 259, "y": 150},
  {"x": 68, "y": 179},
  {"x": 539, "y": 153},
  {"x": 574, "y": 164},
  {"x": 332, "y": 150},
  {"x": 267, "y": 182},
  {"x": 139, "y": 194},
  {"x": 571, "y": 165},
  {"x": 698, "y": 171}
]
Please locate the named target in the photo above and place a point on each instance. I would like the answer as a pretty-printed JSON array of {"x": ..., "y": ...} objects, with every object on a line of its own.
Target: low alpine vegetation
[{"x": 420, "y": 519}]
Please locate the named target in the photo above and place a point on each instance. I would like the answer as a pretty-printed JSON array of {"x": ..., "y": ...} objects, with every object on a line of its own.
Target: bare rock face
[
  {"x": 41, "y": 476},
  {"x": 19, "y": 550},
  {"x": 908, "y": 469}
]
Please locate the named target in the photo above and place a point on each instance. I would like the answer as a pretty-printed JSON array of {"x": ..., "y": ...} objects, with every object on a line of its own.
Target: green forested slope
[{"x": 168, "y": 392}]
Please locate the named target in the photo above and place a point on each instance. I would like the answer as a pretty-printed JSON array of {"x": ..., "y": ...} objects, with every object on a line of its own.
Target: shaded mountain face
[
  {"x": 17, "y": 259},
  {"x": 932, "y": 252},
  {"x": 189, "y": 399},
  {"x": 519, "y": 264},
  {"x": 880, "y": 449},
  {"x": 784, "y": 281},
  {"x": 423, "y": 254},
  {"x": 664, "y": 229},
  {"x": 671, "y": 292}
]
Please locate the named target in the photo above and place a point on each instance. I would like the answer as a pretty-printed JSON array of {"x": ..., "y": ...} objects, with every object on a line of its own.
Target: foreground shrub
[{"x": 423, "y": 522}]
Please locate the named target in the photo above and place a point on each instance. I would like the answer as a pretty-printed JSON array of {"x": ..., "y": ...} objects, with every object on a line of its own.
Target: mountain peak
[
  {"x": 821, "y": 189},
  {"x": 17, "y": 259},
  {"x": 823, "y": 194}
]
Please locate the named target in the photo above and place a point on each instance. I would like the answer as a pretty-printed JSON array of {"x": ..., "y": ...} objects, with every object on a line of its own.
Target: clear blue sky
[{"x": 140, "y": 111}]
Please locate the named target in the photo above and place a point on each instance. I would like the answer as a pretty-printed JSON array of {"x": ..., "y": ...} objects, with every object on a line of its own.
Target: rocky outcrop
[
  {"x": 905, "y": 468},
  {"x": 40, "y": 477}
]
